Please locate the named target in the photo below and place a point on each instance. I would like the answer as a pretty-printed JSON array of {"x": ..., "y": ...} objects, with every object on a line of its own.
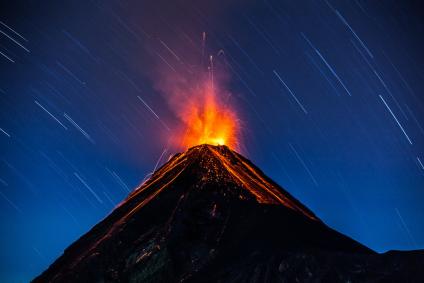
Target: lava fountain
[
  {"x": 200, "y": 100},
  {"x": 208, "y": 120}
]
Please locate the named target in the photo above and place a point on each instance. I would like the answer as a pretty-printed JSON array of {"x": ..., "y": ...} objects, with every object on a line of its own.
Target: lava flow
[{"x": 210, "y": 215}]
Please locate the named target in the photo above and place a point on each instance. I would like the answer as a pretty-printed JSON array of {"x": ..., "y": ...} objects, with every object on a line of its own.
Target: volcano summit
[{"x": 210, "y": 215}]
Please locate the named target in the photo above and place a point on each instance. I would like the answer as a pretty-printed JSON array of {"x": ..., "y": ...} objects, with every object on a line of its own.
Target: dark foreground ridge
[{"x": 210, "y": 215}]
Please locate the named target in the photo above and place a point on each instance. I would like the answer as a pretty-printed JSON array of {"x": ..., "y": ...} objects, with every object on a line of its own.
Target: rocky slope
[{"x": 209, "y": 215}]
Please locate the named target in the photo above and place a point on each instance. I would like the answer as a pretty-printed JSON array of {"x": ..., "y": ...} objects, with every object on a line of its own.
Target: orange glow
[{"x": 209, "y": 121}]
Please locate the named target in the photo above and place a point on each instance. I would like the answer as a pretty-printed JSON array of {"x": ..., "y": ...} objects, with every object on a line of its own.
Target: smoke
[{"x": 194, "y": 84}]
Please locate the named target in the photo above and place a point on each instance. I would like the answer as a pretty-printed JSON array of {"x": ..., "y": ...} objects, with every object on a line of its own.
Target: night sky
[{"x": 329, "y": 97}]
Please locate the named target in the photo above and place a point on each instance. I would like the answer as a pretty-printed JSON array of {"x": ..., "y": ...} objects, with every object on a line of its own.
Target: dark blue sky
[{"x": 330, "y": 95}]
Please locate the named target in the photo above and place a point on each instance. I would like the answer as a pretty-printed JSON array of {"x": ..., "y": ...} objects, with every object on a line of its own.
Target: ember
[{"x": 209, "y": 121}]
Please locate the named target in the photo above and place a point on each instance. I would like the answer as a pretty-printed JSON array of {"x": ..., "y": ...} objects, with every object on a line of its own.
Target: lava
[
  {"x": 209, "y": 121},
  {"x": 198, "y": 95}
]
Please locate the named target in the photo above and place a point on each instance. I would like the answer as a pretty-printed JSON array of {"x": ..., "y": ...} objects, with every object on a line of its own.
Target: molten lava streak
[{"x": 209, "y": 121}]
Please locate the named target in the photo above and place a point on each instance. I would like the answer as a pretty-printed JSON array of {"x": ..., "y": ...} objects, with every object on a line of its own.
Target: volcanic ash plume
[
  {"x": 208, "y": 120},
  {"x": 200, "y": 100}
]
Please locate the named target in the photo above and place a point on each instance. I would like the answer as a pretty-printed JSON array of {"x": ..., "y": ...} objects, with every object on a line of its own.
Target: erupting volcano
[{"x": 210, "y": 215}]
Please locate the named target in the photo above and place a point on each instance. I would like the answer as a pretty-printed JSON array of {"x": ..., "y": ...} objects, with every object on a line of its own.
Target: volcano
[{"x": 210, "y": 215}]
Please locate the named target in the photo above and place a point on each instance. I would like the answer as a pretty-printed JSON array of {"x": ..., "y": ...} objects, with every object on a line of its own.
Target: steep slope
[{"x": 210, "y": 215}]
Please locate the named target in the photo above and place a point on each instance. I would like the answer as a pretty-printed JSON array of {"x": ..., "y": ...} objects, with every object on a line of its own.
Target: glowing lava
[{"x": 209, "y": 121}]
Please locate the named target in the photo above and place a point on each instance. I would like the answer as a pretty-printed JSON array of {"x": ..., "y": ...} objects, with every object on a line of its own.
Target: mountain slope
[{"x": 210, "y": 215}]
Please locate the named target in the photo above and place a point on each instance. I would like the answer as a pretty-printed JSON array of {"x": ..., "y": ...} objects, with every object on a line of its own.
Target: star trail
[{"x": 328, "y": 95}]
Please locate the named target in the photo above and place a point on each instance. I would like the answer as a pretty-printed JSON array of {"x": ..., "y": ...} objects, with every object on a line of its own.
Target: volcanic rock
[{"x": 210, "y": 215}]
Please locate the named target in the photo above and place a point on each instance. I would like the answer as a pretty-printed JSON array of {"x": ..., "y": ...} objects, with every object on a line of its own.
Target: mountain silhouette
[{"x": 210, "y": 215}]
